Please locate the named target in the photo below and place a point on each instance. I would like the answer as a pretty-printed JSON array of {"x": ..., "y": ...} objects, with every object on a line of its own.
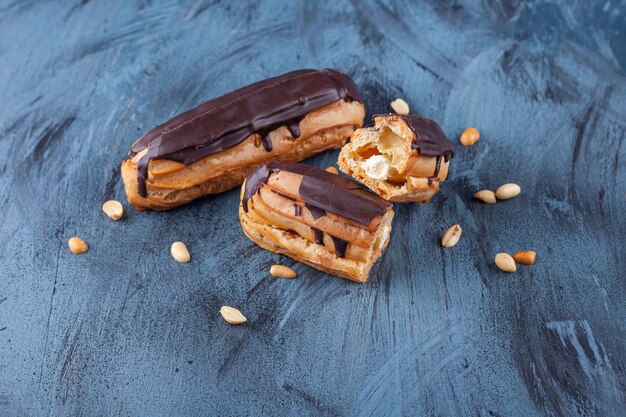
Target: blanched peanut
[
  {"x": 113, "y": 209},
  {"x": 180, "y": 252},
  {"x": 282, "y": 271},
  {"x": 332, "y": 170},
  {"x": 77, "y": 245},
  {"x": 232, "y": 315},
  {"x": 505, "y": 262},
  {"x": 486, "y": 196},
  {"x": 506, "y": 191},
  {"x": 451, "y": 236},
  {"x": 400, "y": 106}
]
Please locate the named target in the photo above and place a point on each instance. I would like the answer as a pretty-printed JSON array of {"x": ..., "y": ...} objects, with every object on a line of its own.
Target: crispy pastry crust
[
  {"x": 273, "y": 223},
  {"x": 412, "y": 177},
  {"x": 171, "y": 184}
]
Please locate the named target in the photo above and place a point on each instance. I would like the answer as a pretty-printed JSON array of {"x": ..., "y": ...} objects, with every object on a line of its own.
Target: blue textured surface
[{"x": 125, "y": 330}]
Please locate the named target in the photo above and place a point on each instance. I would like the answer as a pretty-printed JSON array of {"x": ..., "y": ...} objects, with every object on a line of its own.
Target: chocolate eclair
[
  {"x": 315, "y": 217},
  {"x": 401, "y": 158},
  {"x": 212, "y": 147}
]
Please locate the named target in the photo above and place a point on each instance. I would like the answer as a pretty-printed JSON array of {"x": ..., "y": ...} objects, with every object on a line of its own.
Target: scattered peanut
[
  {"x": 400, "y": 106},
  {"x": 486, "y": 196},
  {"x": 282, "y": 271},
  {"x": 180, "y": 252},
  {"x": 77, "y": 245},
  {"x": 506, "y": 191},
  {"x": 451, "y": 236},
  {"x": 332, "y": 170},
  {"x": 113, "y": 209},
  {"x": 526, "y": 257},
  {"x": 232, "y": 315},
  {"x": 469, "y": 136},
  {"x": 505, "y": 262}
]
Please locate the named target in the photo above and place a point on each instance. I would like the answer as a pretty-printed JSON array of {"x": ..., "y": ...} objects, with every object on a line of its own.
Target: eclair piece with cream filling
[
  {"x": 322, "y": 219},
  {"x": 401, "y": 158}
]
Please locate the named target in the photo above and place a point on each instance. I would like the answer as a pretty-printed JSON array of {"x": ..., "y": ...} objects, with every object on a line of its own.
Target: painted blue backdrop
[{"x": 124, "y": 330}]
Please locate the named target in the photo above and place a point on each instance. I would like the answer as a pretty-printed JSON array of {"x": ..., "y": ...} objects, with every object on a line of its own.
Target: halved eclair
[
  {"x": 401, "y": 158},
  {"x": 211, "y": 148},
  {"x": 315, "y": 217}
]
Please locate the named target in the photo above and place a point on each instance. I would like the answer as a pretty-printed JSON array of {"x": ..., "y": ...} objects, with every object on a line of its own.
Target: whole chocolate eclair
[{"x": 212, "y": 147}]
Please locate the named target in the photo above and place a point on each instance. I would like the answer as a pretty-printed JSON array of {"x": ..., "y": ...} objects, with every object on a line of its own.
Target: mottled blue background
[{"x": 124, "y": 330}]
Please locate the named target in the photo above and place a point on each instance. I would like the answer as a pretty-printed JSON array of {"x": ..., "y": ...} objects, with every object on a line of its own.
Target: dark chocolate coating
[
  {"x": 224, "y": 122},
  {"x": 430, "y": 139},
  {"x": 319, "y": 236},
  {"x": 283, "y": 195},
  {"x": 340, "y": 246},
  {"x": 255, "y": 179},
  {"x": 324, "y": 191},
  {"x": 315, "y": 212}
]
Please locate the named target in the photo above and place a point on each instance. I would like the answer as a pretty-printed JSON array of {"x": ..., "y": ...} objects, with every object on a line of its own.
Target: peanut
[
  {"x": 113, "y": 209},
  {"x": 469, "y": 136},
  {"x": 526, "y": 257},
  {"x": 506, "y": 191},
  {"x": 77, "y": 245},
  {"x": 400, "y": 106},
  {"x": 232, "y": 315},
  {"x": 505, "y": 262},
  {"x": 180, "y": 252},
  {"x": 451, "y": 236},
  {"x": 282, "y": 271},
  {"x": 332, "y": 170},
  {"x": 486, "y": 196}
]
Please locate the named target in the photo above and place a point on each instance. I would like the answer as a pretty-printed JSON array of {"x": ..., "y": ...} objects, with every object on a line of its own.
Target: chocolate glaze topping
[
  {"x": 324, "y": 191},
  {"x": 319, "y": 236},
  {"x": 255, "y": 179},
  {"x": 430, "y": 140},
  {"x": 340, "y": 246},
  {"x": 284, "y": 195},
  {"x": 437, "y": 166},
  {"x": 315, "y": 212},
  {"x": 224, "y": 122}
]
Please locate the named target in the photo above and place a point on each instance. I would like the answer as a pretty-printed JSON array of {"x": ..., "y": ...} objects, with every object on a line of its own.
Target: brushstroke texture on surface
[{"x": 125, "y": 330}]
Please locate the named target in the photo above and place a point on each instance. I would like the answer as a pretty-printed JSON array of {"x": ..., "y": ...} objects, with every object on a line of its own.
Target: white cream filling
[
  {"x": 383, "y": 237},
  {"x": 377, "y": 167}
]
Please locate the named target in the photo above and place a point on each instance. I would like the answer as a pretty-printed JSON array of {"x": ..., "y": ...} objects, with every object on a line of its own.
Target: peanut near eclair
[
  {"x": 212, "y": 147},
  {"x": 315, "y": 217},
  {"x": 401, "y": 158}
]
